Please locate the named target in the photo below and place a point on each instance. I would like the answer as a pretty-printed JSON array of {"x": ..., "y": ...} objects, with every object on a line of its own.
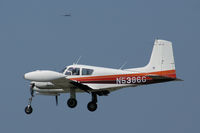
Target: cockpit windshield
[
  {"x": 77, "y": 71},
  {"x": 73, "y": 71}
]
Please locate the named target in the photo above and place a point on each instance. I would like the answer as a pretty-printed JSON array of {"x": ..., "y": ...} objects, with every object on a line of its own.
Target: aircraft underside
[{"x": 72, "y": 102}]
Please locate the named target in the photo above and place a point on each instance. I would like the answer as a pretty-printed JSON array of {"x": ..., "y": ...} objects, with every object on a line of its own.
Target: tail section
[
  {"x": 162, "y": 57},
  {"x": 161, "y": 61}
]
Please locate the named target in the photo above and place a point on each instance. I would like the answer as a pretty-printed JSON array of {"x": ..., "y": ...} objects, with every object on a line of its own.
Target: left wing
[
  {"x": 56, "y": 78},
  {"x": 66, "y": 83}
]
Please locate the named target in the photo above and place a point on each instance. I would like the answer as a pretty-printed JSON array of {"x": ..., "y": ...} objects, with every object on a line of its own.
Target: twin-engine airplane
[{"x": 100, "y": 80}]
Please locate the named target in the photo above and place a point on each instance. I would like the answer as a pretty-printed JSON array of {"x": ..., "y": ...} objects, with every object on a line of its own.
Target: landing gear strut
[
  {"x": 72, "y": 102},
  {"x": 28, "y": 109},
  {"x": 92, "y": 106}
]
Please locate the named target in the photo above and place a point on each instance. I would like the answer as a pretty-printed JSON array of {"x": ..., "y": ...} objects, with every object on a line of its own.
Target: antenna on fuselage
[
  {"x": 78, "y": 60},
  {"x": 123, "y": 65}
]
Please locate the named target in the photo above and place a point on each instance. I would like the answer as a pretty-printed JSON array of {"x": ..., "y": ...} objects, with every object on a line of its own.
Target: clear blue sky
[{"x": 34, "y": 35}]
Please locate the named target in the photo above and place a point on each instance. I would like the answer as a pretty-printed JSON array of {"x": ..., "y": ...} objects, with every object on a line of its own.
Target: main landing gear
[
  {"x": 72, "y": 102},
  {"x": 92, "y": 106}
]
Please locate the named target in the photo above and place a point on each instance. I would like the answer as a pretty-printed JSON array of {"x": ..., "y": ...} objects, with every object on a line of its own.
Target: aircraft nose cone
[{"x": 27, "y": 75}]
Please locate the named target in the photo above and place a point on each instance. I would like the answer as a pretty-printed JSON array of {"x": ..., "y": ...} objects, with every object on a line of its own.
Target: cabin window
[
  {"x": 87, "y": 71},
  {"x": 74, "y": 71}
]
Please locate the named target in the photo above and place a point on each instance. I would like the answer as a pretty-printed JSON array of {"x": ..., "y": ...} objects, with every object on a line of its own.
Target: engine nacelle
[
  {"x": 45, "y": 85},
  {"x": 43, "y": 75}
]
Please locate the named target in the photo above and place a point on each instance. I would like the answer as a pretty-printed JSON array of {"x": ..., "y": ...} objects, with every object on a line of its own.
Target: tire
[
  {"x": 92, "y": 106},
  {"x": 72, "y": 102},
  {"x": 28, "y": 110}
]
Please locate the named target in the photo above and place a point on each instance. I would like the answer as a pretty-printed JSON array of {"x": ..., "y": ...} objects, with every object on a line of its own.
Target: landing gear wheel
[
  {"x": 72, "y": 102},
  {"x": 28, "y": 109},
  {"x": 92, "y": 106}
]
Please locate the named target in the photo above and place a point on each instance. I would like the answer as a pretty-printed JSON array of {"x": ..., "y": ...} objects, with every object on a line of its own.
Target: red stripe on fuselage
[{"x": 111, "y": 79}]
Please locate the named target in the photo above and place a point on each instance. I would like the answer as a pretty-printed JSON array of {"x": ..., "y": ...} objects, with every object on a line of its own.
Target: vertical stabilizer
[
  {"x": 162, "y": 57},
  {"x": 161, "y": 61}
]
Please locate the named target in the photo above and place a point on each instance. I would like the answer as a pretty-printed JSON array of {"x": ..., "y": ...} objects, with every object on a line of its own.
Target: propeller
[
  {"x": 56, "y": 100},
  {"x": 31, "y": 89}
]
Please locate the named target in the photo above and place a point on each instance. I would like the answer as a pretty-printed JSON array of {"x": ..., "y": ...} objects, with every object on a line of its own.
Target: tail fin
[
  {"x": 161, "y": 61},
  {"x": 162, "y": 57}
]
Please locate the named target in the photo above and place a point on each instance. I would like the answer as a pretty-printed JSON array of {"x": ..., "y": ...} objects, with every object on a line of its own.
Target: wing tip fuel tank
[{"x": 43, "y": 75}]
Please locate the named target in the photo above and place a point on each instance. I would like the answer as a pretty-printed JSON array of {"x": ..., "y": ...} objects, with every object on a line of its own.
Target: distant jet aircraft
[
  {"x": 67, "y": 15},
  {"x": 100, "y": 81}
]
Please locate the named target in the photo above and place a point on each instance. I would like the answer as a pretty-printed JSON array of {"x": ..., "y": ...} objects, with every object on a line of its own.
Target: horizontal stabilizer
[
  {"x": 158, "y": 77},
  {"x": 177, "y": 79}
]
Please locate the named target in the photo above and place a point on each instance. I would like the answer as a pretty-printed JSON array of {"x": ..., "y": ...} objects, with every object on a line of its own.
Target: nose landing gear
[
  {"x": 72, "y": 102},
  {"x": 28, "y": 109}
]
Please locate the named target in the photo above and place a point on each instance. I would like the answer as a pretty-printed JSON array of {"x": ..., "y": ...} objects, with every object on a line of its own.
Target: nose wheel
[{"x": 28, "y": 109}]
